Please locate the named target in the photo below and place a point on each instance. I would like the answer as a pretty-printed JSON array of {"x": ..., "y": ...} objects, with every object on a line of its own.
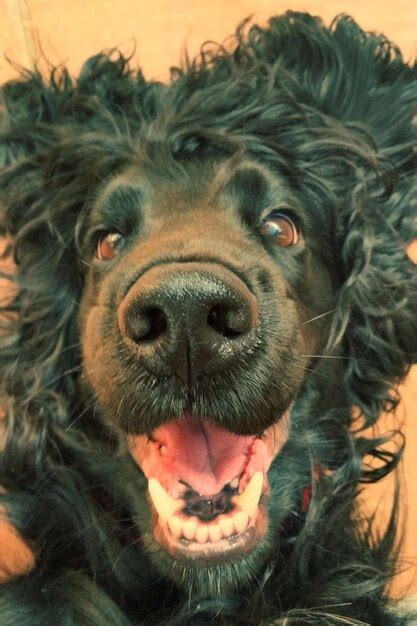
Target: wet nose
[{"x": 189, "y": 319}]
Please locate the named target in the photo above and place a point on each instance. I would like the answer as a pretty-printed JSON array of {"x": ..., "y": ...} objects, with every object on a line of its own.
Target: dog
[{"x": 214, "y": 307}]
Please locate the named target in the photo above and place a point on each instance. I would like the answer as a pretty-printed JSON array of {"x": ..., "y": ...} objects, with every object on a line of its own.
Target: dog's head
[
  {"x": 197, "y": 332},
  {"x": 230, "y": 253}
]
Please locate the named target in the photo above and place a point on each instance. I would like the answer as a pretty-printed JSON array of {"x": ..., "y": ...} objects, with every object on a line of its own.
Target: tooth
[
  {"x": 181, "y": 488},
  {"x": 249, "y": 498},
  {"x": 189, "y": 528},
  {"x": 215, "y": 534},
  {"x": 234, "y": 483},
  {"x": 178, "y": 490},
  {"x": 240, "y": 521},
  {"x": 164, "y": 504},
  {"x": 175, "y": 493},
  {"x": 226, "y": 526},
  {"x": 163, "y": 450},
  {"x": 201, "y": 533},
  {"x": 175, "y": 525}
]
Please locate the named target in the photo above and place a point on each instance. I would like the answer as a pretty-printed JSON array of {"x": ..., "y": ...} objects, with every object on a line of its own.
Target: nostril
[
  {"x": 149, "y": 325},
  {"x": 158, "y": 323},
  {"x": 224, "y": 321}
]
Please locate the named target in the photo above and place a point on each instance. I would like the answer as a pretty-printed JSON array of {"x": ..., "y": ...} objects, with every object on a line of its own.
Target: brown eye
[
  {"x": 281, "y": 229},
  {"x": 108, "y": 245}
]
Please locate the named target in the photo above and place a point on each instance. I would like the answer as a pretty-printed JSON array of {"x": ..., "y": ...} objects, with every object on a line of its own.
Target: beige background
[{"x": 68, "y": 31}]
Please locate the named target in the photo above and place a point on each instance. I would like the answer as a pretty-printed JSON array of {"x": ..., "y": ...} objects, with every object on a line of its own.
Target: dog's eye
[
  {"x": 109, "y": 245},
  {"x": 281, "y": 229}
]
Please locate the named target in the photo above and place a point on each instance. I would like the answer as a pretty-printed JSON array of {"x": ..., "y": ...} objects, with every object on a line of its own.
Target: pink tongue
[{"x": 204, "y": 456}]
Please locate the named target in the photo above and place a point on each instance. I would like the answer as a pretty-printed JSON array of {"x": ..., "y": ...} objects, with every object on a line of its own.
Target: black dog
[{"x": 213, "y": 281}]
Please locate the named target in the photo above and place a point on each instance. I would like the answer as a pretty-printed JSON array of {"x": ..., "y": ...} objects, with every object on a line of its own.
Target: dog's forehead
[{"x": 203, "y": 187}]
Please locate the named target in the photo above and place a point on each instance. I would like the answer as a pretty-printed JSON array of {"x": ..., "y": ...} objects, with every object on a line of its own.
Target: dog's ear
[
  {"x": 60, "y": 140},
  {"x": 106, "y": 96},
  {"x": 376, "y": 310},
  {"x": 362, "y": 144},
  {"x": 358, "y": 99}
]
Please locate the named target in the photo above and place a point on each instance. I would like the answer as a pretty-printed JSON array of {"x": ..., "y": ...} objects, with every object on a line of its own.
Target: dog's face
[{"x": 196, "y": 340}]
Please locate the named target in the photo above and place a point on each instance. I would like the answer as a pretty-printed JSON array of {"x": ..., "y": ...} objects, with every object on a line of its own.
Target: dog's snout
[{"x": 189, "y": 319}]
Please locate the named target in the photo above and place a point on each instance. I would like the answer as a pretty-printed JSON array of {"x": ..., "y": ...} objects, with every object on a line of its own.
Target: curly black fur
[{"x": 326, "y": 115}]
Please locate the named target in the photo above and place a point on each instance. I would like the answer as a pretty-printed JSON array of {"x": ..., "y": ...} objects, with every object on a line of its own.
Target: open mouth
[{"x": 208, "y": 487}]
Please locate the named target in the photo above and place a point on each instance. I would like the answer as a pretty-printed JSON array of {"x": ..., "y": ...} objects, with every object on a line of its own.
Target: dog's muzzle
[{"x": 208, "y": 487}]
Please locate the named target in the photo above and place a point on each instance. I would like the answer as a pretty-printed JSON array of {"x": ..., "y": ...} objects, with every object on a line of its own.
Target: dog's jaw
[{"x": 227, "y": 474}]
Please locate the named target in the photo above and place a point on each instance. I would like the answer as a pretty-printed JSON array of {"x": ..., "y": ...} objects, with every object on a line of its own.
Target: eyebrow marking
[
  {"x": 120, "y": 208},
  {"x": 122, "y": 198}
]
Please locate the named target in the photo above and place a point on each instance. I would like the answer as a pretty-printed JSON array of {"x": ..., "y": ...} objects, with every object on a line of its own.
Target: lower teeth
[
  {"x": 221, "y": 527},
  {"x": 224, "y": 527}
]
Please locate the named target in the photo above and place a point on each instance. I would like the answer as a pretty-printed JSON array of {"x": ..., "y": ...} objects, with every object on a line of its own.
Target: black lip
[{"x": 149, "y": 434}]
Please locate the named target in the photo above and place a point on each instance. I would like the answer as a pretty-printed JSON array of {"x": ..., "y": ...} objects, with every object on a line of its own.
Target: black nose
[{"x": 189, "y": 318}]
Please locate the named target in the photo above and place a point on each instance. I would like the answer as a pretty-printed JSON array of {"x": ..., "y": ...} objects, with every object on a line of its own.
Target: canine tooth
[
  {"x": 165, "y": 505},
  {"x": 215, "y": 534},
  {"x": 226, "y": 526},
  {"x": 240, "y": 521},
  {"x": 234, "y": 483},
  {"x": 201, "y": 533},
  {"x": 175, "y": 525},
  {"x": 249, "y": 498},
  {"x": 181, "y": 488},
  {"x": 189, "y": 528},
  {"x": 163, "y": 450}
]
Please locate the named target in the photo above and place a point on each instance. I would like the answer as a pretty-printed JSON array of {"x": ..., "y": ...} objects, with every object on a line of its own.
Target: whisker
[
  {"x": 122, "y": 552},
  {"x": 95, "y": 269},
  {"x": 317, "y": 317},
  {"x": 71, "y": 370},
  {"x": 333, "y": 356},
  {"x": 74, "y": 345},
  {"x": 89, "y": 405},
  {"x": 311, "y": 370}
]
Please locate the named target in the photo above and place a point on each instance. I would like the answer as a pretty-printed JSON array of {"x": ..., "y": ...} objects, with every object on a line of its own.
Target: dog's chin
[{"x": 207, "y": 488}]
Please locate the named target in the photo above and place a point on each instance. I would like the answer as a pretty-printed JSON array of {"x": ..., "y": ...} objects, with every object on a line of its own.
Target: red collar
[{"x": 306, "y": 499}]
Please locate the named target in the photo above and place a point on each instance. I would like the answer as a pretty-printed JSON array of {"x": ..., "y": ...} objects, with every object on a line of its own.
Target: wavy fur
[{"x": 329, "y": 109}]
